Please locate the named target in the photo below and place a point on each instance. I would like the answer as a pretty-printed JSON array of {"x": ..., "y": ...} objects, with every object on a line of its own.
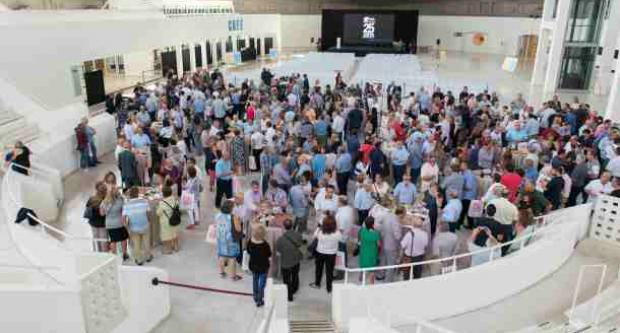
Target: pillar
[
  {"x": 262, "y": 45},
  {"x": 179, "y": 54},
  {"x": 542, "y": 57},
  {"x": 192, "y": 57},
  {"x": 203, "y": 53},
  {"x": 214, "y": 52},
  {"x": 234, "y": 43},
  {"x": 613, "y": 104},
  {"x": 554, "y": 61},
  {"x": 609, "y": 41}
]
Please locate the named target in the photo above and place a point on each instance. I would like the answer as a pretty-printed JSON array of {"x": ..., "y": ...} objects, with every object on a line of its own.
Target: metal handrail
[
  {"x": 491, "y": 250},
  {"x": 44, "y": 224}
]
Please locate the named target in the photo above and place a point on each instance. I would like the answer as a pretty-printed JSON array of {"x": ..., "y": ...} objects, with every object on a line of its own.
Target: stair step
[{"x": 311, "y": 326}]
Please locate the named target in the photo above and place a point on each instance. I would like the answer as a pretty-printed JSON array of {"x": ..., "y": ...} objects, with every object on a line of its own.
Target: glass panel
[
  {"x": 576, "y": 67},
  {"x": 584, "y": 21}
]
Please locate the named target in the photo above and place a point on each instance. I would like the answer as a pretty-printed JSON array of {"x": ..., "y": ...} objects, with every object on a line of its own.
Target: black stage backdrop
[
  {"x": 333, "y": 26},
  {"x": 95, "y": 91},
  {"x": 168, "y": 62}
]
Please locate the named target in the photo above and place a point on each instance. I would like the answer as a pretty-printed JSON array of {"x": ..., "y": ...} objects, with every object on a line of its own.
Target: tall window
[{"x": 583, "y": 24}]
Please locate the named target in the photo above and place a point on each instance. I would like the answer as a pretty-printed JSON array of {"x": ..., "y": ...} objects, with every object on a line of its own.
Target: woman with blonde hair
[
  {"x": 260, "y": 254},
  {"x": 95, "y": 219},
  {"x": 112, "y": 209}
]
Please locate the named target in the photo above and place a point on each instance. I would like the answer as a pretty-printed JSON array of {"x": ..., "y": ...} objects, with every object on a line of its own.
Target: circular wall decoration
[{"x": 479, "y": 39}]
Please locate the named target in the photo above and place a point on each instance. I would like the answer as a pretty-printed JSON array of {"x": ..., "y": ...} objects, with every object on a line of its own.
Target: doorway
[{"x": 528, "y": 45}]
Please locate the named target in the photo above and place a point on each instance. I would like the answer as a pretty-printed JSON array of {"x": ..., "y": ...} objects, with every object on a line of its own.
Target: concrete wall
[
  {"x": 517, "y": 272},
  {"x": 298, "y": 30}
]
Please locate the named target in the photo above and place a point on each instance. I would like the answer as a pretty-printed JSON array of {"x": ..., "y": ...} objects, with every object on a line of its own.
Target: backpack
[{"x": 175, "y": 218}]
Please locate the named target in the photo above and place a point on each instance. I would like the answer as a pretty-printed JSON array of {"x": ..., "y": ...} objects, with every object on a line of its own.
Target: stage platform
[{"x": 363, "y": 50}]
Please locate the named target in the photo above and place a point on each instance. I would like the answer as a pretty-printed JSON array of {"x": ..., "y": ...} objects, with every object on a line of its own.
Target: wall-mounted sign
[{"x": 235, "y": 24}]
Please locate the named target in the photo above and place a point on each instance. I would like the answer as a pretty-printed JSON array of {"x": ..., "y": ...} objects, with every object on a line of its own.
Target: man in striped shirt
[{"x": 135, "y": 216}]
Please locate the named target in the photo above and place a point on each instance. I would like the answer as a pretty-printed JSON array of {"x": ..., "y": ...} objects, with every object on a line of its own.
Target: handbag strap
[
  {"x": 167, "y": 204},
  {"x": 412, "y": 238}
]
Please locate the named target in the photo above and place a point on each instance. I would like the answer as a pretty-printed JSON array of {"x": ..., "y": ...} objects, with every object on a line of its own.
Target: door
[
  {"x": 528, "y": 45},
  {"x": 198, "y": 54},
  {"x": 209, "y": 55},
  {"x": 268, "y": 44}
]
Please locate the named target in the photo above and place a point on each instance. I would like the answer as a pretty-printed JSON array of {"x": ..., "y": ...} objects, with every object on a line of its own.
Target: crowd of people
[{"x": 345, "y": 171}]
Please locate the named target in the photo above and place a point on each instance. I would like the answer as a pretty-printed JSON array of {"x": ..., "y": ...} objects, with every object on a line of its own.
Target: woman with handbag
[
  {"x": 167, "y": 232},
  {"x": 95, "y": 218},
  {"x": 327, "y": 238},
  {"x": 260, "y": 255},
  {"x": 228, "y": 245},
  {"x": 190, "y": 197}
]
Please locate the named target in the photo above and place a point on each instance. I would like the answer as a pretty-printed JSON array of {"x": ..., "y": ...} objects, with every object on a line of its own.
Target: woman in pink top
[{"x": 512, "y": 181}]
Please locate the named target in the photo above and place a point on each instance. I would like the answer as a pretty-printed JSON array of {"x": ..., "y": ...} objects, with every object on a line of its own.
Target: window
[
  {"x": 576, "y": 68},
  {"x": 583, "y": 25}
]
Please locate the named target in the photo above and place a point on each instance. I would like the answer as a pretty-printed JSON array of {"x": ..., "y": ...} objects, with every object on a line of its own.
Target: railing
[
  {"x": 449, "y": 264},
  {"x": 46, "y": 228}
]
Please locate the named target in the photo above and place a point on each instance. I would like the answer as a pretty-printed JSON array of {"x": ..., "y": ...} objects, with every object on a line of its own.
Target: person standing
[
  {"x": 112, "y": 209},
  {"x": 228, "y": 247},
  {"x": 223, "y": 174},
  {"x": 470, "y": 192},
  {"x": 344, "y": 166},
  {"x": 167, "y": 232},
  {"x": 400, "y": 157},
  {"x": 414, "y": 245},
  {"x": 391, "y": 234},
  {"x": 260, "y": 254},
  {"x": 90, "y": 137},
  {"x": 405, "y": 191},
  {"x": 95, "y": 219},
  {"x": 370, "y": 240},
  {"x": 298, "y": 199},
  {"x": 128, "y": 166},
  {"x": 328, "y": 236},
  {"x": 288, "y": 246},
  {"x": 135, "y": 214}
]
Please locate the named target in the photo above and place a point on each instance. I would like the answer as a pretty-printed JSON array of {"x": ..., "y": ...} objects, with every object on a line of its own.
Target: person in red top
[
  {"x": 397, "y": 126},
  {"x": 366, "y": 149},
  {"x": 512, "y": 181},
  {"x": 251, "y": 112}
]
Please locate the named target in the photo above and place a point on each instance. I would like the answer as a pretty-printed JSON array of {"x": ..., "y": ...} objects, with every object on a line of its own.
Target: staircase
[
  {"x": 14, "y": 127},
  {"x": 311, "y": 326}
]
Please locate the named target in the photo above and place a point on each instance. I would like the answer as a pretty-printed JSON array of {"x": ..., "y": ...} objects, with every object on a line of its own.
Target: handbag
[
  {"x": 312, "y": 247},
  {"x": 211, "y": 234},
  {"x": 340, "y": 263},
  {"x": 407, "y": 259},
  {"x": 236, "y": 235},
  {"x": 252, "y": 163},
  {"x": 187, "y": 200},
  {"x": 475, "y": 209},
  {"x": 89, "y": 213},
  {"x": 245, "y": 261}
]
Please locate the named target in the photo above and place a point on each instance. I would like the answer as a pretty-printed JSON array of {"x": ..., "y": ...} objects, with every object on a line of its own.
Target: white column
[
  {"x": 609, "y": 41},
  {"x": 262, "y": 45},
  {"x": 613, "y": 105},
  {"x": 214, "y": 51},
  {"x": 179, "y": 54},
  {"x": 247, "y": 41},
  {"x": 542, "y": 57},
  {"x": 557, "y": 46},
  {"x": 234, "y": 43},
  {"x": 203, "y": 53},
  {"x": 192, "y": 57}
]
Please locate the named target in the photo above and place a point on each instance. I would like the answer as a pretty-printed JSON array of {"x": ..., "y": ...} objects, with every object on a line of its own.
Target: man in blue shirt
[
  {"x": 343, "y": 170},
  {"x": 299, "y": 202},
  {"x": 405, "y": 191},
  {"x": 516, "y": 133},
  {"x": 223, "y": 173},
  {"x": 416, "y": 156},
  {"x": 320, "y": 130},
  {"x": 470, "y": 192},
  {"x": 135, "y": 214},
  {"x": 399, "y": 157}
]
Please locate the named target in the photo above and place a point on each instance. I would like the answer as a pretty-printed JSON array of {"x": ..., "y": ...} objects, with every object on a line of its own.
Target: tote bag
[
  {"x": 212, "y": 234},
  {"x": 187, "y": 200}
]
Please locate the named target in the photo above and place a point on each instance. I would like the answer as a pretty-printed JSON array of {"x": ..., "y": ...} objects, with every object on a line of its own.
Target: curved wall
[{"x": 434, "y": 297}]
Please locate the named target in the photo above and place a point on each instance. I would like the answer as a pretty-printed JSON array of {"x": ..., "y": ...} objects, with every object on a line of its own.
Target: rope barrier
[{"x": 157, "y": 281}]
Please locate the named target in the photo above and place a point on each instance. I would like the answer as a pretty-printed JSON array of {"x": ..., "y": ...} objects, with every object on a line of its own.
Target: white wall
[
  {"x": 516, "y": 273},
  {"x": 502, "y": 32},
  {"x": 42, "y": 69},
  {"x": 27, "y": 309},
  {"x": 297, "y": 31}
]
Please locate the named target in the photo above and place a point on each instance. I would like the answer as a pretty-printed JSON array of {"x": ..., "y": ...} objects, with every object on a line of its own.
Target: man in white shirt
[
  {"x": 345, "y": 216},
  {"x": 599, "y": 186},
  {"x": 326, "y": 203},
  {"x": 338, "y": 125},
  {"x": 414, "y": 245},
  {"x": 614, "y": 164}
]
